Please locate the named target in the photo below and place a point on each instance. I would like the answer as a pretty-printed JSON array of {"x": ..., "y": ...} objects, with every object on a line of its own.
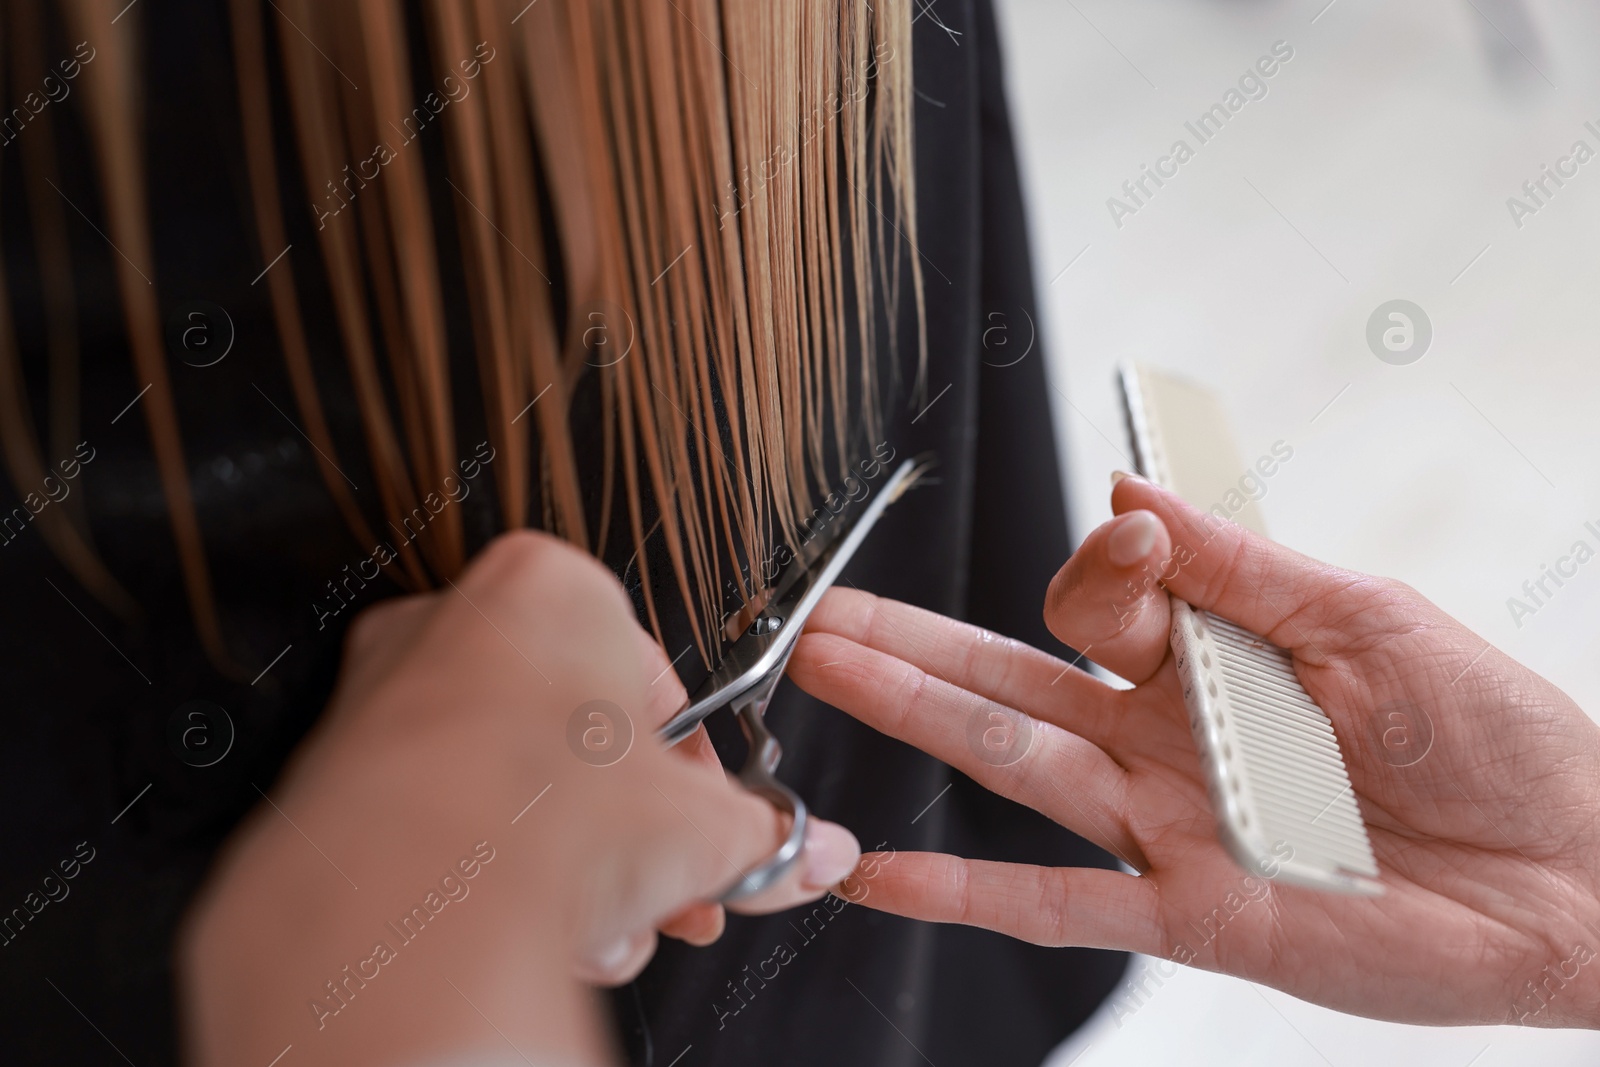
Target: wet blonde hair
[{"x": 729, "y": 202}]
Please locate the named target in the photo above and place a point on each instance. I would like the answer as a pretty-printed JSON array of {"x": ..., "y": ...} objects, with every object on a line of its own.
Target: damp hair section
[{"x": 684, "y": 232}]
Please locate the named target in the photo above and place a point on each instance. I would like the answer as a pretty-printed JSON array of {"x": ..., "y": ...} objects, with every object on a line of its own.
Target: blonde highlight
[{"x": 713, "y": 176}]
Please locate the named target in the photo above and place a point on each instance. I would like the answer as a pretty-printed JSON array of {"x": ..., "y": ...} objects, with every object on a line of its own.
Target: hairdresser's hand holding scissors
[
  {"x": 1479, "y": 780},
  {"x": 448, "y": 810}
]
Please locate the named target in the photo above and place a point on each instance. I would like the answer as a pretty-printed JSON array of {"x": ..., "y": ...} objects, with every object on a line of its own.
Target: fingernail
[
  {"x": 1133, "y": 539},
  {"x": 1118, "y": 477},
  {"x": 831, "y": 854}
]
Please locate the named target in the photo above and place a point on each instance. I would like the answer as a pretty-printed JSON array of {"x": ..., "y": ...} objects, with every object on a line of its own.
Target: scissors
[{"x": 754, "y": 664}]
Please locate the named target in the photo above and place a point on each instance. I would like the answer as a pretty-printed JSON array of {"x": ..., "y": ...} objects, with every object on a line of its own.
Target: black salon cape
[{"x": 89, "y": 763}]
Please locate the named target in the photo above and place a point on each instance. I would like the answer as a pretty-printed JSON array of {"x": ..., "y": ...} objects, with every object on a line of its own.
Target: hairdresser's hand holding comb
[
  {"x": 1488, "y": 839},
  {"x": 455, "y": 847}
]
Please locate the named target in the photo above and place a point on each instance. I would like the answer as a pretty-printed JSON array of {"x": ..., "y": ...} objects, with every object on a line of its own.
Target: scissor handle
[{"x": 757, "y": 777}]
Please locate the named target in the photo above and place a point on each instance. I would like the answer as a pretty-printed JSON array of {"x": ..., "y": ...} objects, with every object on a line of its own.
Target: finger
[
  {"x": 829, "y": 848},
  {"x": 971, "y": 658},
  {"x": 1051, "y": 770},
  {"x": 706, "y": 837},
  {"x": 379, "y": 639},
  {"x": 699, "y": 750},
  {"x": 1240, "y": 575},
  {"x": 665, "y": 697},
  {"x": 666, "y": 694},
  {"x": 1107, "y": 600},
  {"x": 1054, "y": 906},
  {"x": 698, "y": 924},
  {"x": 617, "y": 962}
]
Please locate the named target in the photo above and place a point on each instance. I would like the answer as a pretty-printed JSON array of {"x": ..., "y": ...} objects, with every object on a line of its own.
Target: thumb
[
  {"x": 1107, "y": 599},
  {"x": 1240, "y": 575},
  {"x": 694, "y": 838}
]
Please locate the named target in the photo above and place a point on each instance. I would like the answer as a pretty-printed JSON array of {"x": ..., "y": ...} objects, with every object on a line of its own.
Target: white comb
[{"x": 1277, "y": 782}]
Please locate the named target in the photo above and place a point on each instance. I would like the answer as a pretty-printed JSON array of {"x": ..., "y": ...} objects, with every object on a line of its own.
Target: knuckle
[
  {"x": 529, "y": 563},
  {"x": 1217, "y": 585},
  {"x": 1385, "y": 601},
  {"x": 517, "y": 551},
  {"x": 845, "y": 611},
  {"x": 973, "y": 647},
  {"x": 958, "y": 876},
  {"x": 375, "y": 624},
  {"x": 1051, "y": 907},
  {"x": 912, "y": 689},
  {"x": 1058, "y": 614},
  {"x": 1400, "y": 593}
]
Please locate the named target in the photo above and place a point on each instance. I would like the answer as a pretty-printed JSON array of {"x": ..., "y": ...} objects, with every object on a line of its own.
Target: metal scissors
[{"x": 754, "y": 664}]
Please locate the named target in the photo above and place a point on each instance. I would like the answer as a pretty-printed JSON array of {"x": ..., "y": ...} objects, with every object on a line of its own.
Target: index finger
[{"x": 968, "y": 657}]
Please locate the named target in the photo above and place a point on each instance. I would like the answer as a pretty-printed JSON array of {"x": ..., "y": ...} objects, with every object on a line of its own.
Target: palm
[
  {"x": 1471, "y": 882},
  {"x": 1478, "y": 782}
]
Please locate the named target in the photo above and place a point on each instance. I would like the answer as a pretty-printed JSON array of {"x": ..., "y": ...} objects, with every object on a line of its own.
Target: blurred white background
[{"x": 1377, "y": 167}]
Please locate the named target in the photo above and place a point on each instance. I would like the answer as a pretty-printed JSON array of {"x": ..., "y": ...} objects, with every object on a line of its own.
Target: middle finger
[
  {"x": 1051, "y": 770},
  {"x": 1002, "y": 669}
]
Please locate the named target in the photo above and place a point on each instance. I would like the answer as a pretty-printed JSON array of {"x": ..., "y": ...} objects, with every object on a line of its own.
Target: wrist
[{"x": 1566, "y": 990}]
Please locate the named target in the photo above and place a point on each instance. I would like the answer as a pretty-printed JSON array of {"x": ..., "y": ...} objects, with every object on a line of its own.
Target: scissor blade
[{"x": 764, "y": 649}]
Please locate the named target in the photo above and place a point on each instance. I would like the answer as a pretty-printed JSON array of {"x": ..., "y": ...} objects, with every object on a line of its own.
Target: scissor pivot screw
[{"x": 766, "y": 624}]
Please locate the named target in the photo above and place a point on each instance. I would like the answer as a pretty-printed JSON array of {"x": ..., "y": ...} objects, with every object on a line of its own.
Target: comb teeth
[{"x": 1277, "y": 781}]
